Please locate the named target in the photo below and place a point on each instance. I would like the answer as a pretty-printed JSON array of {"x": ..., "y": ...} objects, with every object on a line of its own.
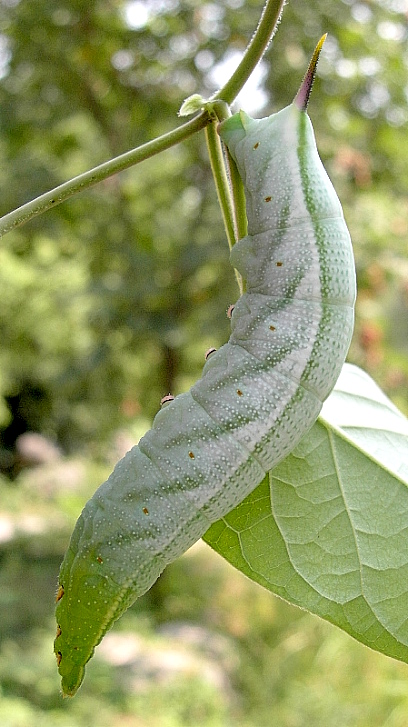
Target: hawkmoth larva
[{"x": 258, "y": 395}]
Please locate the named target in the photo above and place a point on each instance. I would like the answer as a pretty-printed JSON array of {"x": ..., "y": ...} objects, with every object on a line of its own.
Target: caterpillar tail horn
[{"x": 301, "y": 99}]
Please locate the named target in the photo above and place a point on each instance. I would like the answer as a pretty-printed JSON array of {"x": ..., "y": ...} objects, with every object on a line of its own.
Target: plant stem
[
  {"x": 50, "y": 199},
  {"x": 238, "y": 197},
  {"x": 228, "y": 184},
  {"x": 221, "y": 181},
  {"x": 223, "y": 187},
  {"x": 254, "y": 52}
]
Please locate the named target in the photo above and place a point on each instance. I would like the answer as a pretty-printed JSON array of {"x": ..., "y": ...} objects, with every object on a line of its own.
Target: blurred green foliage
[{"x": 110, "y": 300}]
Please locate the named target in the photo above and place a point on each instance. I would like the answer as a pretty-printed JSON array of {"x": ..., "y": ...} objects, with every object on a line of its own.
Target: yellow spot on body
[{"x": 239, "y": 392}]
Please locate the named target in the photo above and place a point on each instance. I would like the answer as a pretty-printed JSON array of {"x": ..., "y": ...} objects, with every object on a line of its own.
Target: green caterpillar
[{"x": 258, "y": 395}]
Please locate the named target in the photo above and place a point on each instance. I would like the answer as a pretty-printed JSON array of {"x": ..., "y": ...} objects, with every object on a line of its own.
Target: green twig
[
  {"x": 239, "y": 207},
  {"x": 238, "y": 197},
  {"x": 220, "y": 179},
  {"x": 223, "y": 187},
  {"x": 254, "y": 52},
  {"x": 50, "y": 199}
]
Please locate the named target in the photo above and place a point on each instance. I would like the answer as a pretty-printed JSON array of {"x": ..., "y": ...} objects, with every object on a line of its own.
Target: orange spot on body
[
  {"x": 191, "y": 455},
  {"x": 268, "y": 199},
  {"x": 59, "y": 657},
  {"x": 59, "y": 632},
  {"x": 279, "y": 265},
  {"x": 99, "y": 559},
  {"x": 145, "y": 510},
  {"x": 60, "y": 594},
  {"x": 239, "y": 392},
  {"x": 272, "y": 328}
]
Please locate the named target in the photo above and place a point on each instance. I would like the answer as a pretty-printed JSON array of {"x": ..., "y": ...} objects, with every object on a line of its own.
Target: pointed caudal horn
[{"x": 302, "y": 97}]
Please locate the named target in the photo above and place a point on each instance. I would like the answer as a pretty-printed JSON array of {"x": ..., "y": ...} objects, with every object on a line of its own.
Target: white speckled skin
[{"x": 258, "y": 395}]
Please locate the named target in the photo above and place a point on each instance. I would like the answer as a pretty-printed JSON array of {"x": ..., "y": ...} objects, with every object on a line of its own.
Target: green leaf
[
  {"x": 327, "y": 529},
  {"x": 192, "y": 104}
]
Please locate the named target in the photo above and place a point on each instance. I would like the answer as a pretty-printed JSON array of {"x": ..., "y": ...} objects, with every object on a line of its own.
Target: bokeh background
[{"x": 110, "y": 301}]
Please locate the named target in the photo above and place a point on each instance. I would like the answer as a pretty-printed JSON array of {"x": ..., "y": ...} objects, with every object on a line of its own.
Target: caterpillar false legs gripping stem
[{"x": 258, "y": 395}]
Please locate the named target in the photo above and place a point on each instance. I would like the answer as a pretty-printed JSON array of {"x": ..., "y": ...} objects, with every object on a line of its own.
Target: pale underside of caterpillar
[{"x": 258, "y": 395}]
